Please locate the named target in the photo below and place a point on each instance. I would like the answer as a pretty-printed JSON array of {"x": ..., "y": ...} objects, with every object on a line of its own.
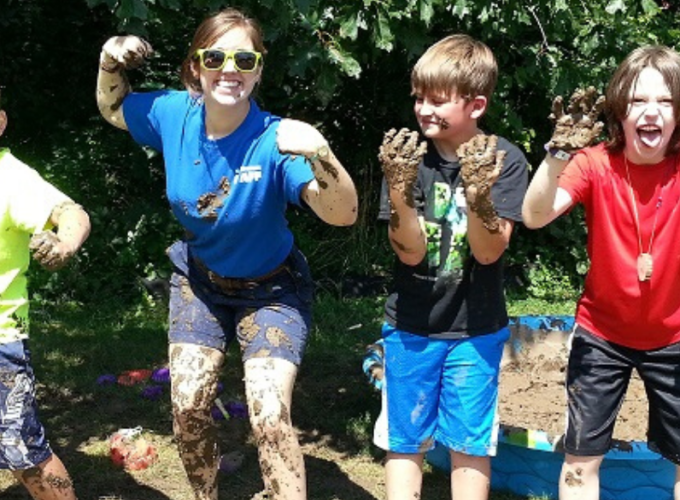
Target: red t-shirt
[{"x": 616, "y": 305}]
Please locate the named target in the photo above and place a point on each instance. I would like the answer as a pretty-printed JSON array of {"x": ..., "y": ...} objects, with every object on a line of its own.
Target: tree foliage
[{"x": 343, "y": 66}]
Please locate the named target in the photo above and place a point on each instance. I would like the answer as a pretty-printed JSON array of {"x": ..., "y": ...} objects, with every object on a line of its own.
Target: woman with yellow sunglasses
[{"x": 231, "y": 170}]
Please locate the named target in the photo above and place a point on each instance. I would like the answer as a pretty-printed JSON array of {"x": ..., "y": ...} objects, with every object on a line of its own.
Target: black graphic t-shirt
[{"x": 449, "y": 294}]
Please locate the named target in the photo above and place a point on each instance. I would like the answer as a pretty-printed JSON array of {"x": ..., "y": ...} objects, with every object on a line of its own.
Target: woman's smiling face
[{"x": 229, "y": 86}]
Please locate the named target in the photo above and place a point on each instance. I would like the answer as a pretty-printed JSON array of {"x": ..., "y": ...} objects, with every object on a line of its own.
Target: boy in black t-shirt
[{"x": 451, "y": 203}]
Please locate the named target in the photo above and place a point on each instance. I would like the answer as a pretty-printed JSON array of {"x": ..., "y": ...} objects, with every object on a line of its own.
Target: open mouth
[{"x": 650, "y": 135}]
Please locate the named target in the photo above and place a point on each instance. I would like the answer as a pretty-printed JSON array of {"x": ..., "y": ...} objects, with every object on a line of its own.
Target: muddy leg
[
  {"x": 47, "y": 481},
  {"x": 269, "y": 389},
  {"x": 579, "y": 479},
  {"x": 194, "y": 371}
]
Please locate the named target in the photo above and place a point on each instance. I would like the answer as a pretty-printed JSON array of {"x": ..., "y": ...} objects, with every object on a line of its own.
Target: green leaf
[
  {"x": 460, "y": 9},
  {"x": 650, "y": 7},
  {"x": 560, "y": 6},
  {"x": 349, "y": 26},
  {"x": 383, "y": 34},
  {"x": 615, "y": 6},
  {"x": 303, "y": 6},
  {"x": 129, "y": 9},
  {"x": 344, "y": 59},
  {"x": 426, "y": 11},
  {"x": 171, "y": 4}
]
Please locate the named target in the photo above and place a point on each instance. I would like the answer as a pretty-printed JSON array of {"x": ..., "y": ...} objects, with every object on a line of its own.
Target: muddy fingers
[
  {"x": 481, "y": 164},
  {"x": 578, "y": 127},
  {"x": 400, "y": 154}
]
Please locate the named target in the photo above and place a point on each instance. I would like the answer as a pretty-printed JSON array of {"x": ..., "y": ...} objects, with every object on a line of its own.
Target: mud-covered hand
[
  {"x": 124, "y": 52},
  {"x": 50, "y": 251},
  {"x": 481, "y": 164},
  {"x": 578, "y": 126},
  {"x": 299, "y": 138},
  {"x": 400, "y": 154}
]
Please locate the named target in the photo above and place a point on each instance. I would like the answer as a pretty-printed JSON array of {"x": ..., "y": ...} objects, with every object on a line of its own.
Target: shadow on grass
[{"x": 73, "y": 345}]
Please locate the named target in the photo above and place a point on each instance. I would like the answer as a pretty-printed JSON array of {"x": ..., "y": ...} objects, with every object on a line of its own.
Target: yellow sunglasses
[{"x": 245, "y": 61}]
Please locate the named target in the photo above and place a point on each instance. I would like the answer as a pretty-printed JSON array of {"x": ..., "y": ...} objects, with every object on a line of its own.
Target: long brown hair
[{"x": 663, "y": 59}]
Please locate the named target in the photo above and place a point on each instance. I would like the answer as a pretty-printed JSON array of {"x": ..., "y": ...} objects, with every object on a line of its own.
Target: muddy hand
[
  {"x": 126, "y": 52},
  {"x": 578, "y": 127},
  {"x": 400, "y": 154},
  {"x": 50, "y": 251},
  {"x": 481, "y": 164}
]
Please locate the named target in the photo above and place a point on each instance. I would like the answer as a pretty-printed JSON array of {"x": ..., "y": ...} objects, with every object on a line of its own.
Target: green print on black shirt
[{"x": 447, "y": 246}]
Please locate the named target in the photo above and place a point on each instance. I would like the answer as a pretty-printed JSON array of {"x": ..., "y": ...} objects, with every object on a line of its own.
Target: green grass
[{"x": 334, "y": 406}]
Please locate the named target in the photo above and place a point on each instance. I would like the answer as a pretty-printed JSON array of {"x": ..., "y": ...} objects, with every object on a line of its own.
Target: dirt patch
[{"x": 532, "y": 388}]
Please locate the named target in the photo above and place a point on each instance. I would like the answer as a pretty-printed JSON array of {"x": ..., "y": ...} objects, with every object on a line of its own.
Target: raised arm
[
  {"x": 481, "y": 164},
  {"x": 331, "y": 194},
  {"x": 118, "y": 54},
  {"x": 53, "y": 250},
  {"x": 575, "y": 129},
  {"x": 400, "y": 155}
]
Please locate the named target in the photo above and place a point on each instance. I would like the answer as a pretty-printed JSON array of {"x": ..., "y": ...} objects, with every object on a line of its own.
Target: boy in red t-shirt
[{"x": 629, "y": 315}]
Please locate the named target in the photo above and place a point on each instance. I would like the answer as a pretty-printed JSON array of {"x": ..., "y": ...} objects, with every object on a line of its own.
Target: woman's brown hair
[{"x": 210, "y": 30}]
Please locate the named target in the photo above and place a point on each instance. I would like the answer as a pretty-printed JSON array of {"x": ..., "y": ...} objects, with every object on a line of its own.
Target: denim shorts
[
  {"x": 22, "y": 437},
  {"x": 270, "y": 316},
  {"x": 440, "y": 390},
  {"x": 597, "y": 379}
]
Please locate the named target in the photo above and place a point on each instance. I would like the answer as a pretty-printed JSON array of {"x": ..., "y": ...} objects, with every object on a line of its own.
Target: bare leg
[
  {"x": 580, "y": 478},
  {"x": 194, "y": 371},
  {"x": 470, "y": 477},
  {"x": 676, "y": 488},
  {"x": 49, "y": 480},
  {"x": 404, "y": 475},
  {"x": 269, "y": 390}
]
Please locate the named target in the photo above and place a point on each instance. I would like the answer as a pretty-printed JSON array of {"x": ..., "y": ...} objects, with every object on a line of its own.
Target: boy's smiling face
[
  {"x": 650, "y": 121},
  {"x": 450, "y": 118}
]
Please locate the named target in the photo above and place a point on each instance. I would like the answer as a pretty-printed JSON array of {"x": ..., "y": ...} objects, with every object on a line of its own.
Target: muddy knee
[{"x": 270, "y": 424}]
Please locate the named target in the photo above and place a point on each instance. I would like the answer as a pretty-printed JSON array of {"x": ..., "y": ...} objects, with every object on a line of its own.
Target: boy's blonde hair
[
  {"x": 663, "y": 59},
  {"x": 456, "y": 64}
]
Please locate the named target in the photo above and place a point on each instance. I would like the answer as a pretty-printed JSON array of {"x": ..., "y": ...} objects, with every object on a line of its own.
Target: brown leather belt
[{"x": 232, "y": 284}]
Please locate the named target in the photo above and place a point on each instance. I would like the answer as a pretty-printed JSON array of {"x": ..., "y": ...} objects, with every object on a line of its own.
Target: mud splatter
[
  {"x": 185, "y": 289},
  {"x": 208, "y": 204},
  {"x": 225, "y": 186},
  {"x": 329, "y": 168},
  {"x": 277, "y": 337},
  {"x": 398, "y": 244},
  {"x": 574, "y": 480},
  {"x": 60, "y": 483},
  {"x": 248, "y": 328}
]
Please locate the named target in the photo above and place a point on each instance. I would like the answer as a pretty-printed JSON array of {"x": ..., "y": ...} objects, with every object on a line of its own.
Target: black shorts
[{"x": 597, "y": 379}]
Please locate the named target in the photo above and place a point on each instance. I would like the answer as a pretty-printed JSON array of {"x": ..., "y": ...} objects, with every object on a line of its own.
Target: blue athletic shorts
[
  {"x": 440, "y": 390},
  {"x": 22, "y": 437},
  {"x": 270, "y": 316}
]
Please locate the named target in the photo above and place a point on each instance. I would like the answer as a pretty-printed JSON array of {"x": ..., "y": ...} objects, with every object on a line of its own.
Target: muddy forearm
[
  {"x": 335, "y": 199},
  {"x": 406, "y": 233},
  {"x": 487, "y": 246},
  {"x": 112, "y": 87}
]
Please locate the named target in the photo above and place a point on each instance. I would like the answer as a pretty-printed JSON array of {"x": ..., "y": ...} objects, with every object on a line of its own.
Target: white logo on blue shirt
[{"x": 247, "y": 175}]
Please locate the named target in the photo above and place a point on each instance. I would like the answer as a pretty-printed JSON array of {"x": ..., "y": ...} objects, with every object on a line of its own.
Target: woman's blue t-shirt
[{"x": 229, "y": 194}]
